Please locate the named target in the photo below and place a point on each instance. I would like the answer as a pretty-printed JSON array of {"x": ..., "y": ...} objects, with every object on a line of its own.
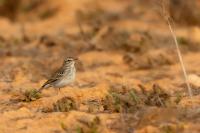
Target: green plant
[
  {"x": 31, "y": 95},
  {"x": 64, "y": 104},
  {"x": 133, "y": 95},
  {"x": 89, "y": 127}
]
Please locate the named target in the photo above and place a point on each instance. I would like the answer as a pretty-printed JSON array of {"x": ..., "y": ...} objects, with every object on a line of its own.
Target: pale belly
[{"x": 65, "y": 81}]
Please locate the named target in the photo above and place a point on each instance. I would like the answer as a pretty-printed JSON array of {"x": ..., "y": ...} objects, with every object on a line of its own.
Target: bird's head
[{"x": 69, "y": 62}]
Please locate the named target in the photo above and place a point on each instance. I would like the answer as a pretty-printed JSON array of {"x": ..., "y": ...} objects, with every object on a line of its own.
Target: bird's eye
[{"x": 68, "y": 60}]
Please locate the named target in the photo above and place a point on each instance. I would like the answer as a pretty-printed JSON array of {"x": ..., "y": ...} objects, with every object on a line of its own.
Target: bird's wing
[{"x": 57, "y": 75}]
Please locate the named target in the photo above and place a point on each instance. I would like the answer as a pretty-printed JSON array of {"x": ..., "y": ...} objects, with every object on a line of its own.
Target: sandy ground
[{"x": 129, "y": 78}]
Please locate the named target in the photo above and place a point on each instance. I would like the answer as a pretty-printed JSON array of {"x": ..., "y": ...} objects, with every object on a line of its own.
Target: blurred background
[
  {"x": 64, "y": 25},
  {"x": 128, "y": 74}
]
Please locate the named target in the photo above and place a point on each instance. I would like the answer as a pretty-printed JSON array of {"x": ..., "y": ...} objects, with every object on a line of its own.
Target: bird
[{"x": 63, "y": 76}]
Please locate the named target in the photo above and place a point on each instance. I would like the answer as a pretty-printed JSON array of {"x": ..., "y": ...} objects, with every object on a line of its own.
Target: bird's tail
[
  {"x": 43, "y": 87},
  {"x": 40, "y": 89}
]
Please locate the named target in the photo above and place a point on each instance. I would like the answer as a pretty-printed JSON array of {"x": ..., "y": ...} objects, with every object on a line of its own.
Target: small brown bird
[{"x": 63, "y": 76}]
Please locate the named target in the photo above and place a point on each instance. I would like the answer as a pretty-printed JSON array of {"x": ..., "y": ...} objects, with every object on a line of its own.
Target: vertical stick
[
  {"x": 167, "y": 18},
  {"x": 180, "y": 58}
]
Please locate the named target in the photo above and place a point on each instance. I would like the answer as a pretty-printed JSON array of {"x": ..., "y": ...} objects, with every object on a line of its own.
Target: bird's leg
[{"x": 59, "y": 90}]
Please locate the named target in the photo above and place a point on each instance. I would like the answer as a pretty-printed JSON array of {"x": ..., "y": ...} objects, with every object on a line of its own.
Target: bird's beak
[{"x": 75, "y": 59}]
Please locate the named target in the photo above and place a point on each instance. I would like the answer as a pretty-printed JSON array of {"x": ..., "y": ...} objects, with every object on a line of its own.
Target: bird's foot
[{"x": 58, "y": 91}]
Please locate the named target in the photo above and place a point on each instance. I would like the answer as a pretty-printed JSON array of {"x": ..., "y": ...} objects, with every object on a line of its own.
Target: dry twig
[{"x": 167, "y": 18}]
